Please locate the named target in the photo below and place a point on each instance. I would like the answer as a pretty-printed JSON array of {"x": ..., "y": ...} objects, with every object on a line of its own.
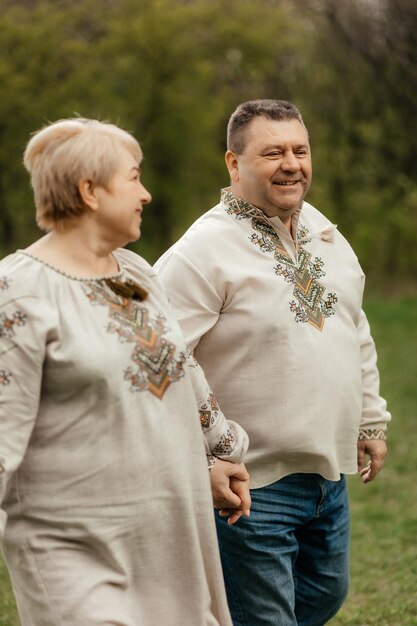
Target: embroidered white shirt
[{"x": 278, "y": 328}]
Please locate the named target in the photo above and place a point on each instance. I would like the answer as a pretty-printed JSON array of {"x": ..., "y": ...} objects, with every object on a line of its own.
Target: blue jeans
[{"x": 288, "y": 563}]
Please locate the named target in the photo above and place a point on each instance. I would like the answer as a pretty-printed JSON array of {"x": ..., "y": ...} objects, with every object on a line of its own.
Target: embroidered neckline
[
  {"x": 240, "y": 208},
  {"x": 117, "y": 275},
  {"x": 118, "y": 283},
  {"x": 154, "y": 363},
  {"x": 309, "y": 304}
]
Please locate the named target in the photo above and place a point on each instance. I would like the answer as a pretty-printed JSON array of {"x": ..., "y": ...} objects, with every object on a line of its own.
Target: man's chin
[{"x": 282, "y": 210}]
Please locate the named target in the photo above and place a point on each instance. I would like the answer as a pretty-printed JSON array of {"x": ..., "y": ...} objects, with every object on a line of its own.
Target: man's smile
[{"x": 286, "y": 183}]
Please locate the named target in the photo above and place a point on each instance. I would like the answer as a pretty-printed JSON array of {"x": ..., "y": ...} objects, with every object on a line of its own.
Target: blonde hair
[{"x": 61, "y": 154}]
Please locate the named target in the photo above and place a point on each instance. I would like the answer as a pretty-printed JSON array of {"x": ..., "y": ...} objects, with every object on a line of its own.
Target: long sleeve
[
  {"x": 374, "y": 413},
  {"x": 101, "y": 445},
  {"x": 282, "y": 341},
  {"x": 22, "y": 350},
  {"x": 197, "y": 307},
  {"x": 224, "y": 438}
]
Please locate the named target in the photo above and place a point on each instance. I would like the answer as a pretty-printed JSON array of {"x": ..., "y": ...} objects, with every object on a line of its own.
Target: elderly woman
[{"x": 104, "y": 480}]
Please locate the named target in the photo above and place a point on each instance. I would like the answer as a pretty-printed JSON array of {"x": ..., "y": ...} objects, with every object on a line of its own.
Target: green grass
[
  {"x": 8, "y": 613},
  {"x": 384, "y": 513}
]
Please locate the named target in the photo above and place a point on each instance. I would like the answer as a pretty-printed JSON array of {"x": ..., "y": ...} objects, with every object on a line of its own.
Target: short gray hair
[{"x": 279, "y": 110}]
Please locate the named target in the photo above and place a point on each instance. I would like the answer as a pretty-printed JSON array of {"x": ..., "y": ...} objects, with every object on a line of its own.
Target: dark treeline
[{"x": 171, "y": 71}]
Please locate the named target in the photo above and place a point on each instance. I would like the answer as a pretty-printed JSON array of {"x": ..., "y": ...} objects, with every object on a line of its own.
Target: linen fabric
[
  {"x": 276, "y": 322},
  {"x": 104, "y": 481}
]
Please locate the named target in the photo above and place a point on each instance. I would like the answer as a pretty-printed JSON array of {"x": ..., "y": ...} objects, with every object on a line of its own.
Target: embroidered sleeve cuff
[
  {"x": 210, "y": 460},
  {"x": 373, "y": 433}
]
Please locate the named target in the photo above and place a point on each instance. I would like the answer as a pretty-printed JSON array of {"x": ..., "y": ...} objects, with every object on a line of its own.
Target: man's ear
[
  {"x": 88, "y": 193},
  {"x": 232, "y": 162}
]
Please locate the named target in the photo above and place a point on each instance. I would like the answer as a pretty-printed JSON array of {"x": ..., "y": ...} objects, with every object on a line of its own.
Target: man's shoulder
[
  {"x": 200, "y": 244},
  {"x": 314, "y": 215},
  {"x": 318, "y": 225},
  {"x": 204, "y": 232},
  {"x": 213, "y": 220}
]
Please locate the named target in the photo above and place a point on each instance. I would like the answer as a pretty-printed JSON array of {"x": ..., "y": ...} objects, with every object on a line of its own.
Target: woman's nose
[{"x": 146, "y": 197}]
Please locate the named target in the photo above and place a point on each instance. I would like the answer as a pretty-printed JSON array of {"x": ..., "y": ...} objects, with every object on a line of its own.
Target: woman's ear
[{"x": 88, "y": 193}]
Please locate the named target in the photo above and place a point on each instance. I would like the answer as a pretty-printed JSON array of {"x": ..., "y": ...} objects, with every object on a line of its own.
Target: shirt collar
[{"x": 242, "y": 209}]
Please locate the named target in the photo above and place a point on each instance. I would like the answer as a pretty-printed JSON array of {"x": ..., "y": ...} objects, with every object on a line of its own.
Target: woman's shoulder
[
  {"x": 137, "y": 269},
  {"x": 20, "y": 273},
  {"x": 130, "y": 260}
]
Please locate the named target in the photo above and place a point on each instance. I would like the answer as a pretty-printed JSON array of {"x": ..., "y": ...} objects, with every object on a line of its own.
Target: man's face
[{"x": 274, "y": 171}]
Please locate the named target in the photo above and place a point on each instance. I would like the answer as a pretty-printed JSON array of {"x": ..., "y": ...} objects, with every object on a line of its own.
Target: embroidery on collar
[
  {"x": 310, "y": 305},
  {"x": 153, "y": 356}
]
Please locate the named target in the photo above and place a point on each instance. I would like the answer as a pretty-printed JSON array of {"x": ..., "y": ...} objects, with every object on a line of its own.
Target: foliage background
[{"x": 172, "y": 71}]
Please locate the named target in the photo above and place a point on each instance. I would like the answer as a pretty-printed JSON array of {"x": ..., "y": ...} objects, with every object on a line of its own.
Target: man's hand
[
  {"x": 376, "y": 450},
  {"x": 241, "y": 488},
  {"x": 230, "y": 489}
]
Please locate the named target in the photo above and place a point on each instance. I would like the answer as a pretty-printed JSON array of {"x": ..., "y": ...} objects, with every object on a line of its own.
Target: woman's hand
[{"x": 230, "y": 489}]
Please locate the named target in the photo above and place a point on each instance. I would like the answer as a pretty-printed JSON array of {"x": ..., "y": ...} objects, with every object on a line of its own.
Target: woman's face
[{"x": 120, "y": 206}]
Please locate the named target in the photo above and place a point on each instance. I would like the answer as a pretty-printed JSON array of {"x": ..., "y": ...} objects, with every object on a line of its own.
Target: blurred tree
[
  {"x": 360, "y": 103},
  {"x": 172, "y": 71},
  {"x": 189, "y": 65},
  {"x": 47, "y": 71},
  {"x": 169, "y": 71}
]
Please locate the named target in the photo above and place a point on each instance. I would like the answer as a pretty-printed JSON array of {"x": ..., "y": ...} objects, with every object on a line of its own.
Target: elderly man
[{"x": 269, "y": 295}]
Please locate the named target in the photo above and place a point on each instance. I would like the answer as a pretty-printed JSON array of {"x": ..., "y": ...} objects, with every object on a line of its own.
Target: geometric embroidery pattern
[
  {"x": 209, "y": 412},
  {"x": 226, "y": 444},
  {"x": 7, "y": 329},
  {"x": 373, "y": 433},
  {"x": 154, "y": 364},
  {"x": 4, "y": 282},
  {"x": 8, "y": 324},
  {"x": 310, "y": 305},
  {"x": 5, "y": 378}
]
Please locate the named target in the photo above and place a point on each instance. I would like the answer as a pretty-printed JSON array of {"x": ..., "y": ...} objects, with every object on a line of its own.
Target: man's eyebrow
[{"x": 281, "y": 146}]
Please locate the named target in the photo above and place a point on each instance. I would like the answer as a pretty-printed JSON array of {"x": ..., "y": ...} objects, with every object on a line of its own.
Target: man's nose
[{"x": 290, "y": 162}]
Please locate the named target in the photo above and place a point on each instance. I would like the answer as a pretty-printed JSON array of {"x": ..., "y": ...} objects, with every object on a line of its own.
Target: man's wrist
[{"x": 372, "y": 433}]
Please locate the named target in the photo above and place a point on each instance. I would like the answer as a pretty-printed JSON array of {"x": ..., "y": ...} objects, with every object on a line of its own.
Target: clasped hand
[{"x": 230, "y": 489}]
